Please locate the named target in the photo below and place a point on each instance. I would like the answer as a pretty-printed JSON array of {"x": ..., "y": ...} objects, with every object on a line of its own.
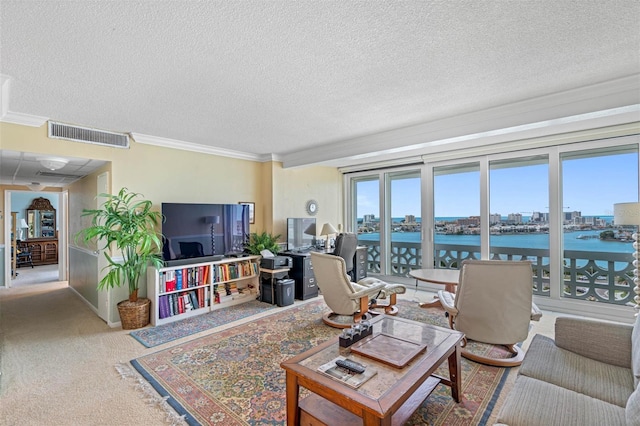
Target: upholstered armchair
[
  {"x": 493, "y": 304},
  {"x": 343, "y": 297}
]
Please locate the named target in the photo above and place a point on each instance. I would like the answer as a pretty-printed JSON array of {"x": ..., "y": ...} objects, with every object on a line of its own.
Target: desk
[
  {"x": 302, "y": 270},
  {"x": 389, "y": 397},
  {"x": 447, "y": 277}
]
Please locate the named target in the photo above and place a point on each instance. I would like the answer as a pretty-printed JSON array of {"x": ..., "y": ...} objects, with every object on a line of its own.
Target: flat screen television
[
  {"x": 203, "y": 231},
  {"x": 299, "y": 236}
]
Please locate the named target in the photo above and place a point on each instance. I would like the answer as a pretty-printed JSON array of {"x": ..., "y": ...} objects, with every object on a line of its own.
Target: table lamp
[
  {"x": 629, "y": 214},
  {"x": 23, "y": 226},
  {"x": 328, "y": 229},
  {"x": 213, "y": 220},
  {"x": 311, "y": 230}
]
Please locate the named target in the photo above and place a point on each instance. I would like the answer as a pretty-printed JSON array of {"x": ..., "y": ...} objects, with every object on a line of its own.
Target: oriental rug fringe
[{"x": 233, "y": 377}]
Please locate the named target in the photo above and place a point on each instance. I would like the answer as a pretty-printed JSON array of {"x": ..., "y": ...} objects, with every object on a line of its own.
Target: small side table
[
  {"x": 272, "y": 273},
  {"x": 446, "y": 277}
]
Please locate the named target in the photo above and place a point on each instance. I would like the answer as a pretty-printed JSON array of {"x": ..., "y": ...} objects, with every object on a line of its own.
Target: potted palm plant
[{"x": 125, "y": 223}]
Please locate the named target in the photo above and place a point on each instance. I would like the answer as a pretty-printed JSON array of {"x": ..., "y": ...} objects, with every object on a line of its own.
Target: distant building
[
  {"x": 409, "y": 218},
  {"x": 470, "y": 221},
  {"x": 513, "y": 218},
  {"x": 539, "y": 217},
  {"x": 495, "y": 218}
]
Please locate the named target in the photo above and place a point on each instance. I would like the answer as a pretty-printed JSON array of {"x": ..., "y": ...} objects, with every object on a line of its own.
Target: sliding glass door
[
  {"x": 519, "y": 214},
  {"x": 456, "y": 210},
  {"x": 597, "y": 256},
  {"x": 386, "y": 214},
  {"x": 405, "y": 222}
]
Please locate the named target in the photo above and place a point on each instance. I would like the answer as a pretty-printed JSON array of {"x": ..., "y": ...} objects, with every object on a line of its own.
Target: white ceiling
[{"x": 319, "y": 81}]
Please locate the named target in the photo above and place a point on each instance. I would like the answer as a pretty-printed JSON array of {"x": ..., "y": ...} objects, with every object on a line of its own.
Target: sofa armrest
[{"x": 603, "y": 341}]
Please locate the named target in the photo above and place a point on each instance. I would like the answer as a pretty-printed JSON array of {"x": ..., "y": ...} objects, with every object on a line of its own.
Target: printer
[{"x": 276, "y": 262}]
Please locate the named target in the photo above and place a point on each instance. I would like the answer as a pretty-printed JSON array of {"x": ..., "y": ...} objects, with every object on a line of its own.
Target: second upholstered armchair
[{"x": 493, "y": 304}]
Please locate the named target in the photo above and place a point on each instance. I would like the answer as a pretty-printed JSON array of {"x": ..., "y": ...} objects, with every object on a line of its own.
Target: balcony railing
[{"x": 588, "y": 275}]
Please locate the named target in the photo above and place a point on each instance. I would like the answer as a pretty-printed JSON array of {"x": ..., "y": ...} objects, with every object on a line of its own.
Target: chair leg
[
  {"x": 362, "y": 315},
  {"x": 514, "y": 361},
  {"x": 389, "y": 308}
]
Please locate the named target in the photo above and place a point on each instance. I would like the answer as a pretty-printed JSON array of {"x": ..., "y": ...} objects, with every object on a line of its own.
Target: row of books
[
  {"x": 179, "y": 303},
  {"x": 231, "y": 271},
  {"x": 180, "y": 279},
  {"x": 230, "y": 291}
]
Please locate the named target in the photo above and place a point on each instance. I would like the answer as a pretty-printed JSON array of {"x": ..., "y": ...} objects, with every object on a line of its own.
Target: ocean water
[{"x": 538, "y": 241}]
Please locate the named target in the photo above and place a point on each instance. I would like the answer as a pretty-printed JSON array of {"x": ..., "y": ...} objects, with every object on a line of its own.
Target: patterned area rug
[
  {"x": 233, "y": 377},
  {"x": 155, "y": 336}
]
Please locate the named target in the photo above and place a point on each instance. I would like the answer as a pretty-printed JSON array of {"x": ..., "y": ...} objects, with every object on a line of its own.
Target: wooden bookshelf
[{"x": 184, "y": 291}]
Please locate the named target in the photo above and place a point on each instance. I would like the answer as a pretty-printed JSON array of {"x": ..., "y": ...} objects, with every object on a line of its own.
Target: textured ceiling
[{"x": 285, "y": 78}]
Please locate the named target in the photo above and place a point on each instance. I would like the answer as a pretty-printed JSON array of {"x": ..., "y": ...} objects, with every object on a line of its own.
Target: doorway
[{"x": 48, "y": 262}]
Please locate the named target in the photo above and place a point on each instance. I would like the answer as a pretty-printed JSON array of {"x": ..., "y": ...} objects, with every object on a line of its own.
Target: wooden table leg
[
  {"x": 293, "y": 390},
  {"x": 455, "y": 374}
]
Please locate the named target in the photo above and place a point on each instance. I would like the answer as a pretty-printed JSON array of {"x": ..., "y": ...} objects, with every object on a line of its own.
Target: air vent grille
[
  {"x": 83, "y": 134},
  {"x": 58, "y": 175}
]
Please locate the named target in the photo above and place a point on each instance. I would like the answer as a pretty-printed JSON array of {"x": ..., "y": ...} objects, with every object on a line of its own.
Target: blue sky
[{"x": 591, "y": 185}]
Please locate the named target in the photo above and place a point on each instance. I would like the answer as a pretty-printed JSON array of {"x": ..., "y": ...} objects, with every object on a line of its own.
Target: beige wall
[{"x": 170, "y": 175}]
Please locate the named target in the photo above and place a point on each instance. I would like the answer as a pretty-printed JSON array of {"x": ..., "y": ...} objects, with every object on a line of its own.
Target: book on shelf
[
  {"x": 344, "y": 376},
  {"x": 178, "y": 279}
]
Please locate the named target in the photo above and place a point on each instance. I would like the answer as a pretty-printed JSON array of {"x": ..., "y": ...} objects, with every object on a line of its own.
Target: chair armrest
[
  {"x": 603, "y": 341},
  {"x": 361, "y": 290},
  {"x": 448, "y": 300}
]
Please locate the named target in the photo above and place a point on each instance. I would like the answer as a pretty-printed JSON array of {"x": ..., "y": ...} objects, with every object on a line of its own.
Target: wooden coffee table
[{"x": 389, "y": 397}]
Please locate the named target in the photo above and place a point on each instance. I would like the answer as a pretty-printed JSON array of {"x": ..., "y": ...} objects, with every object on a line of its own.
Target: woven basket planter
[{"x": 134, "y": 314}]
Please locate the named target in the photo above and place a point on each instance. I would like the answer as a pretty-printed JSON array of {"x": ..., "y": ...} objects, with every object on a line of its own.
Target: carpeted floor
[
  {"x": 155, "y": 336},
  {"x": 233, "y": 377}
]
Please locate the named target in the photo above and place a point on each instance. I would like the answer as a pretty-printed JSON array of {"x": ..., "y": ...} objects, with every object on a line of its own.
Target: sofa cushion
[
  {"x": 632, "y": 411},
  {"x": 547, "y": 362},
  {"x": 533, "y": 402},
  {"x": 635, "y": 351}
]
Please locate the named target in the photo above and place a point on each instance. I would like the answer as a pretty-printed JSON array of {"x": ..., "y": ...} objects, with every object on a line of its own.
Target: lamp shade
[
  {"x": 23, "y": 223},
  {"x": 212, "y": 219},
  {"x": 626, "y": 214},
  {"x": 311, "y": 229},
  {"x": 328, "y": 229}
]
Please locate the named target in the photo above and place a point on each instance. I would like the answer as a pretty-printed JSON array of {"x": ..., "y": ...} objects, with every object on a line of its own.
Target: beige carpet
[
  {"x": 58, "y": 363},
  {"x": 36, "y": 275}
]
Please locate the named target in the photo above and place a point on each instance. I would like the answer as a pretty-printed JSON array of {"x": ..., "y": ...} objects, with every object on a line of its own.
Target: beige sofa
[{"x": 588, "y": 376}]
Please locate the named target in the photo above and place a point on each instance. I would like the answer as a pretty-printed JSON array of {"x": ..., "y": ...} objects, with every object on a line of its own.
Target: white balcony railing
[{"x": 588, "y": 275}]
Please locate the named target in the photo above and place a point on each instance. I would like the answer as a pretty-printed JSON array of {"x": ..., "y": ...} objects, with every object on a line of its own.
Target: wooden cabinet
[
  {"x": 41, "y": 219},
  {"x": 183, "y": 291},
  {"x": 44, "y": 251}
]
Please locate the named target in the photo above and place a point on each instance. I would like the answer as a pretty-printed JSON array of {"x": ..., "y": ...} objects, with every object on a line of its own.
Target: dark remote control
[{"x": 350, "y": 365}]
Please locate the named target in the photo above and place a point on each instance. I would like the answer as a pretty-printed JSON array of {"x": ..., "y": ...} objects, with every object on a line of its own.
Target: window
[{"x": 552, "y": 205}]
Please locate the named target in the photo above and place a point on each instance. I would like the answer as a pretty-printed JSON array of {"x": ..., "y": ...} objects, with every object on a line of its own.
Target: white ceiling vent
[{"x": 84, "y": 134}]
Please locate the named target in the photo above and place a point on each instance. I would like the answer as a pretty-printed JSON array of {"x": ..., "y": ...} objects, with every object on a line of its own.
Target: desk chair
[
  {"x": 346, "y": 245},
  {"x": 23, "y": 254}
]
